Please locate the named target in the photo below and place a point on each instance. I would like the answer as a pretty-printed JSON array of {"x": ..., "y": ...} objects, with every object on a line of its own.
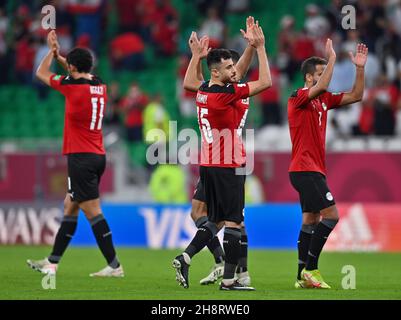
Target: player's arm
[
  {"x": 61, "y": 61},
  {"x": 359, "y": 84},
  {"x": 264, "y": 80},
  {"x": 193, "y": 76},
  {"x": 244, "y": 62},
  {"x": 55, "y": 46},
  {"x": 43, "y": 72},
  {"x": 323, "y": 83}
]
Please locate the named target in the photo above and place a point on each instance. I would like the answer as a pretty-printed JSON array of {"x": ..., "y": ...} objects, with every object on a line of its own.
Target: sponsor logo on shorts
[{"x": 329, "y": 196}]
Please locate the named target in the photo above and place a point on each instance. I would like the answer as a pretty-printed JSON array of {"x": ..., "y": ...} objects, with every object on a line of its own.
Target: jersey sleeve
[
  {"x": 239, "y": 91},
  {"x": 334, "y": 99},
  {"x": 55, "y": 82},
  {"x": 300, "y": 98}
]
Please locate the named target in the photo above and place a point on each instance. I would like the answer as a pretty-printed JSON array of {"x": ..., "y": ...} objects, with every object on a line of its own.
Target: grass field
[{"x": 149, "y": 275}]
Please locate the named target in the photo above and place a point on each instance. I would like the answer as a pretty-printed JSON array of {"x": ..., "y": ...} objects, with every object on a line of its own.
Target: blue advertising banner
[{"x": 273, "y": 226}]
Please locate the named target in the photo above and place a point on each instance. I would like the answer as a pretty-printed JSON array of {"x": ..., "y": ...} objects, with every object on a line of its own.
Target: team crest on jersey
[
  {"x": 201, "y": 98},
  {"x": 245, "y": 101},
  {"x": 324, "y": 106}
]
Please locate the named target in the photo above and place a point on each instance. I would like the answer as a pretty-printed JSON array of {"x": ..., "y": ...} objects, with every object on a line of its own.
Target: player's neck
[
  {"x": 215, "y": 81},
  {"x": 78, "y": 75},
  {"x": 308, "y": 85}
]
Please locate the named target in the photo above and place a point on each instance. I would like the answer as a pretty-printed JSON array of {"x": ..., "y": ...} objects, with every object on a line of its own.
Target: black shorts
[
  {"x": 84, "y": 173},
  {"x": 199, "y": 193},
  {"x": 224, "y": 194},
  {"x": 314, "y": 194}
]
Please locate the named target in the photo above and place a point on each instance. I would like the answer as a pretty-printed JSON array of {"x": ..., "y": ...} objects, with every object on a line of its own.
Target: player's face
[
  {"x": 227, "y": 71},
  {"x": 318, "y": 72}
]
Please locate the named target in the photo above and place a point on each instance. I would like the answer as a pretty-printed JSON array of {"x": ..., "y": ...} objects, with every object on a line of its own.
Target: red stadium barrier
[
  {"x": 352, "y": 177},
  {"x": 367, "y": 227},
  {"x": 29, "y": 177}
]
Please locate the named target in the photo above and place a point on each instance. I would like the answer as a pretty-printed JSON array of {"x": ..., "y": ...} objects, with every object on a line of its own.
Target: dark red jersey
[
  {"x": 307, "y": 121},
  {"x": 221, "y": 116},
  {"x": 85, "y": 103}
]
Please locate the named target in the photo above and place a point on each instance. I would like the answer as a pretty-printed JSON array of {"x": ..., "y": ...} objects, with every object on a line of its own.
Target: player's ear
[
  {"x": 215, "y": 73},
  {"x": 309, "y": 77}
]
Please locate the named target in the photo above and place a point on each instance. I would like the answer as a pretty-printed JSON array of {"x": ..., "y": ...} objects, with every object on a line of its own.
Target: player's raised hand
[
  {"x": 198, "y": 47},
  {"x": 361, "y": 56},
  {"x": 330, "y": 53},
  {"x": 53, "y": 43},
  {"x": 204, "y": 47},
  {"x": 250, "y": 22},
  {"x": 258, "y": 38}
]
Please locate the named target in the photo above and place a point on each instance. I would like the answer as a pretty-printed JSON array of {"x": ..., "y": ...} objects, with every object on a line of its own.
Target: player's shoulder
[
  {"x": 68, "y": 80},
  {"x": 296, "y": 93},
  {"x": 226, "y": 89}
]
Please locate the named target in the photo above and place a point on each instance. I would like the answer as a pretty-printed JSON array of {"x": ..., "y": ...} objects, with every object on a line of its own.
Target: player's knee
[
  {"x": 330, "y": 213},
  {"x": 195, "y": 215},
  {"x": 70, "y": 209},
  {"x": 198, "y": 210}
]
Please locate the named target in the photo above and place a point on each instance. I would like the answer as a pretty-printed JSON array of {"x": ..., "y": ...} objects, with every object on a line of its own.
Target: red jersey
[
  {"x": 307, "y": 121},
  {"x": 221, "y": 117},
  {"x": 85, "y": 101}
]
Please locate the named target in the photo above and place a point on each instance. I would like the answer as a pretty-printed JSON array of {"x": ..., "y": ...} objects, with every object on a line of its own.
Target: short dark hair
[
  {"x": 309, "y": 65},
  {"x": 215, "y": 56},
  {"x": 234, "y": 55},
  {"x": 81, "y": 59}
]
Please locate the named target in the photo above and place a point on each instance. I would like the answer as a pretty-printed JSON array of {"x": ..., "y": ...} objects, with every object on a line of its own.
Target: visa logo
[{"x": 171, "y": 228}]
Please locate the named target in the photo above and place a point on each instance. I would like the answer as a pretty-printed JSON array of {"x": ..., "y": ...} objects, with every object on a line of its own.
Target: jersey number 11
[{"x": 94, "y": 113}]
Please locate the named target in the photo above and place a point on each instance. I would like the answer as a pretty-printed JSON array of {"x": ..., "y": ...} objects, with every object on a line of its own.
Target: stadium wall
[{"x": 362, "y": 227}]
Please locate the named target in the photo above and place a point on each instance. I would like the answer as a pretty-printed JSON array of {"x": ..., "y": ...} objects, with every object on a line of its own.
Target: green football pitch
[{"x": 149, "y": 276}]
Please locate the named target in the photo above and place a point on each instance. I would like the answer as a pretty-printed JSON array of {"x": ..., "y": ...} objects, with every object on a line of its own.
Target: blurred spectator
[
  {"x": 379, "y": 110},
  {"x": 88, "y": 15},
  {"x": 334, "y": 15},
  {"x": 22, "y": 22},
  {"x": 375, "y": 22},
  {"x": 303, "y": 48},
  {"x": 41, "y": 51},
  {"x": 132, "y": 106},
  {"x": 238, "y": 6},
  {"x": 286, "y": 59},
  {"x": 4, "y": 57},
  {"x": 128, "y": 16},
  {"x": 64, "y": 39},
  {"x": 344, "y": 71},
  {"x": 185, "y": 97},
  {"x": 214, "y": 27},
  {"x": 25, "y": 55},
  {"x": 112, "y": 115},
  {"x": 164, "y": 29},
  {"x": 156, "y": 117},
  {"x": 315, "y": 24},
  {"x": 205, "y": 5},
  {"x": 398, "y": 117},
  {"x": 269, "y": 99},
  {"x": 127, "y": 52},
  {"x": 168, "y": 184}
]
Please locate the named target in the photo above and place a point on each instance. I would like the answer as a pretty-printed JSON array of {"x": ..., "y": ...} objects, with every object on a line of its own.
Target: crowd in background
[{"x": 144, "y": 24}]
